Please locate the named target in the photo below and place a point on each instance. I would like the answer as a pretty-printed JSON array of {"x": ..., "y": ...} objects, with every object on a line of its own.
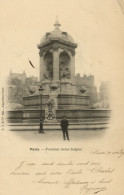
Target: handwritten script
[{"x": 86, "y": 176}]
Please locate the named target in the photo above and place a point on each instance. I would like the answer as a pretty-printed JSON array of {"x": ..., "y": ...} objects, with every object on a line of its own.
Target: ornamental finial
[{"x": 57, "y": 24}]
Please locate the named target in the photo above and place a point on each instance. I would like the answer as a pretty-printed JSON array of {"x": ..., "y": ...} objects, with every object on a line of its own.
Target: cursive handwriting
[
  {"x": 117, "y": 153},
  {"x": 67, "y": 174}
]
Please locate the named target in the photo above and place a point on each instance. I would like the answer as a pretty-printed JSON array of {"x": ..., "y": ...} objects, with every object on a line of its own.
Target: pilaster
[
  {"x": 73, "y": 68},
  {"x": 41, "y": 68}
]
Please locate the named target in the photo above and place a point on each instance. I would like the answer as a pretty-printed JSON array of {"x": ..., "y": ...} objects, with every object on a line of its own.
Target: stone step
[
  {"x": 57, "y": 127},
  {"x": 50, "y": 122},
  {"x": 56, "y": 124}
]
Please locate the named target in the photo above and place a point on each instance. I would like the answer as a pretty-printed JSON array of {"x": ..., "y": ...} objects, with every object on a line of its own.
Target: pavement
[{"x": 56, "y": 135}]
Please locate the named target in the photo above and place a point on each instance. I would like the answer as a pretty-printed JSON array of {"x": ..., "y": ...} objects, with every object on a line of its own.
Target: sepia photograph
[
  {"x": 56, "y": 96},
  {"x": 62, "y": 92}
]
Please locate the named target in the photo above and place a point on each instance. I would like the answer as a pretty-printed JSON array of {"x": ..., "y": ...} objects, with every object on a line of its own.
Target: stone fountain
[{"x": 61, "y": 95}]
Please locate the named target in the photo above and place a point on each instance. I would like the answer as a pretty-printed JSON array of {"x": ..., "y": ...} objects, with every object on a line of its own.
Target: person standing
[{"x": 64, "y": 126}]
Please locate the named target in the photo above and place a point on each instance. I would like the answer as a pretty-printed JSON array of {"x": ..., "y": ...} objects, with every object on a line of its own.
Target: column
[{"x": 55, "y": 64}]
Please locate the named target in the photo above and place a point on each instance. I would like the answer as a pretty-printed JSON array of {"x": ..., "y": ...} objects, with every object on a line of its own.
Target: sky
[{"x": 97, "y": 27}]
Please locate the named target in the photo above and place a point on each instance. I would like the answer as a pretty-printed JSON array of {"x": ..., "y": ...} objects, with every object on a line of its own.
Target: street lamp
[{"x": 41, "y": 116}]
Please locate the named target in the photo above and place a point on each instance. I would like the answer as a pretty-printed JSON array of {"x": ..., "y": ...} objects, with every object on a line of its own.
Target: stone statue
[
  {"x": 64, "y": 70},
  {"x": 50, "y": 109},
  {"x": 49, "y": 71}
]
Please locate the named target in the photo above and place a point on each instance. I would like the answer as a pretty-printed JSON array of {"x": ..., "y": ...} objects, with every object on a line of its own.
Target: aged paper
[{"x": 92, "y": 161}]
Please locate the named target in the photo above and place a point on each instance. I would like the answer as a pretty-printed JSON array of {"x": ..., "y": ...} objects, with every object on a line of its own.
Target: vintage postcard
[{"x": 62, "y": 94}]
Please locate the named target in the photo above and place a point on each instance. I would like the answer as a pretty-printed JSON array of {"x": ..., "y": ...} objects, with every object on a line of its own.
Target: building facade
[
  {"x": 88, "y": 83},
  {"x": 19, "y": 85},
  {"x": 104, "y": 94}
]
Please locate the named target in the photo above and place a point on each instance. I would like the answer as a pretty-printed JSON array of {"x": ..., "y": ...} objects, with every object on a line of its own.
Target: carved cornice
[
  {"x": 55, "y": 46},
  {"x": 59, "y": 41}
]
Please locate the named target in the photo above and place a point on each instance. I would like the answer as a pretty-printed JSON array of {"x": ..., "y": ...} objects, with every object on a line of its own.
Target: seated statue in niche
[
  {"x": 64, "y": 70},
  {"x": 49, "y": 71},
  {"x": 48, "y": 63},
  {"x": 64, "y": 63}
]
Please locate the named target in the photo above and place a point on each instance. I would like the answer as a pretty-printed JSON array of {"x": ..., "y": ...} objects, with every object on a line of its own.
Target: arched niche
[
  {"x": 48, "y": 65},
  {"x": 64, "y": 65}
]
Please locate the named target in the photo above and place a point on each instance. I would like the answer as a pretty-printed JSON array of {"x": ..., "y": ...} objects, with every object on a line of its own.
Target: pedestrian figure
[{"x": 64, "y": 126}]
